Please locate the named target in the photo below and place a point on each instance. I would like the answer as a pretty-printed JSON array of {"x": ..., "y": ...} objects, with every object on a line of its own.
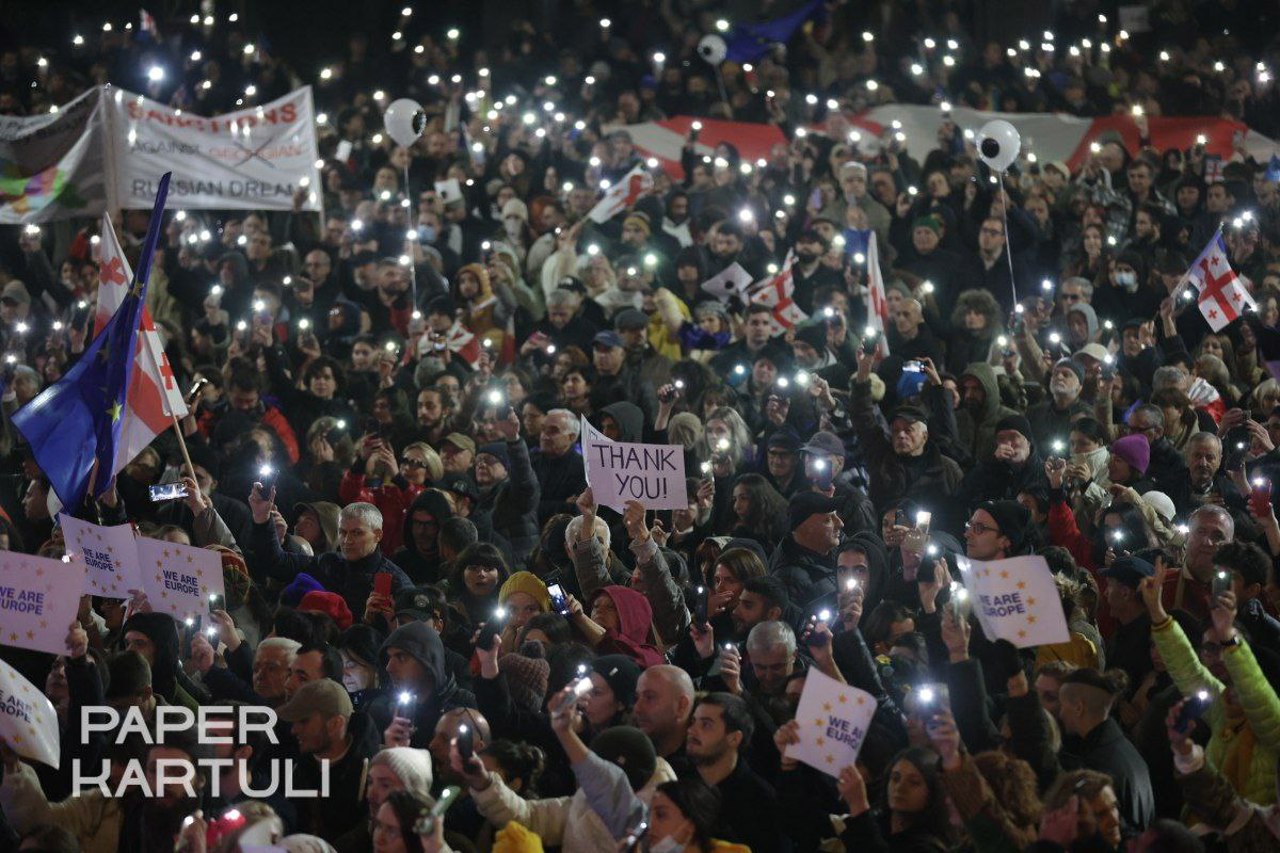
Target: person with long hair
[
  {"x": 760, "y": 513},
  {"x": 478, "y": 575},
  {"x": 914, "y": 817},
  {"x": 682, "y": 815}
]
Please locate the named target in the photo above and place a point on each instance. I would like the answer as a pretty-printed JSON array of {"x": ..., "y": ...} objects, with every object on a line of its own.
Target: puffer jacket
[{"x": 1253, "y": 692}]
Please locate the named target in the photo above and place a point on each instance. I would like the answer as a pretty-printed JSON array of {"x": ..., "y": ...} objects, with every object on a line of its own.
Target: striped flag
[
  {"x": 153, "y": 392},
  {"x": 877, "y": 305}
]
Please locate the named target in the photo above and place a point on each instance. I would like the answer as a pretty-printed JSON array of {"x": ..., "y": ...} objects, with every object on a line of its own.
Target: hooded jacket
[
  {"x": 422, "y": 568},
  {"x": 978, "y": 430},
  {"x": 421, "y": 642},
  {"x": 810, "y": 577},
  {"x": 635, "y": 637},
  {"x": 963, "y": 346},
  {"x": 512, "y": 505},
  {"x": 167, "y": 678},
  {"x": 629, "y": 418}
]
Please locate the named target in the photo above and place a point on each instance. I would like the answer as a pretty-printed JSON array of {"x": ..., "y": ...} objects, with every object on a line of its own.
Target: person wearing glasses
[{"x": 997, "y": 530}]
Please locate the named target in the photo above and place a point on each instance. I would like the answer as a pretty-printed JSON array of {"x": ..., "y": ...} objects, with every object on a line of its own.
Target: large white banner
[
  {"x": 52, "y": 166},
  {"x": 254, "y": 159}
]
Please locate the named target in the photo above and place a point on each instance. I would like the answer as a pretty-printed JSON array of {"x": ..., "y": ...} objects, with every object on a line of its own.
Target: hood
[
  {"x": 877, "y": 567},
  {"x": 985, "y": 375},
  {"x": 163, "y": 633},
  {"x": 629, "y": 418},
  {"x": 982, "y": 302},
  {"x": 423, "y": 644},
  {"x": 1090, "y": 318},
  {"x": 434, "y": 503},
  {"x": 635, "y": 616},
  {"x": 329, "y": 515}
]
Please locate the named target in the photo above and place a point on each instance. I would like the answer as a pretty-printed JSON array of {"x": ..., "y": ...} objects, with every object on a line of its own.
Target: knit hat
[
  {"x": 301, "y": 584},
  {"x": 630, "y": 749},
  {"x": 1017, "y": 423},
  {"x": 516, "y": 207},
  {"x": 1011, "y": 517},
  {"x": 527, "y": 675},
  {"x": 929, "y": 221},
  {"x": 515, "y": 838},
  {"x": 498, "y": 450},
  {"x": 1072, "y": 365},
  {"x": 813, "y": 334},
  {"x": 528, "y": 583},
  {"x": 1162, "y": 504},
  {"x": 1134, "y": 450},
  {"x": 640, "y": 221},
  {"x": 330, "y": 604},
  {"x": 411, "y": 766},
  {"x": 621, "y": 674}
]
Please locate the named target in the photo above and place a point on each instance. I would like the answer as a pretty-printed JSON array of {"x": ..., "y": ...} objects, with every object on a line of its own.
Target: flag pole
[{"x": 182, "y": 443}]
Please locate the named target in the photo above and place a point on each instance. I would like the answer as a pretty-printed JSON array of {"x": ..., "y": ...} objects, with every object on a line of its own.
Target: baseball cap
[
  {"x": 784, "y": 439},
  {"x": 1129, "y": 570},
  {"x": 325, "y": 697},
  {"x": 607, "y": 339},
  {"x": 460, "y": 441},
  {"x": 806, "y": 504},
  {"x": 912, "y": 414},
  {"x": 459, "y": 484}
]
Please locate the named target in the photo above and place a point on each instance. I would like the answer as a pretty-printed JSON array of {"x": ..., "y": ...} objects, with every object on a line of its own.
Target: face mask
[
  {"x": 427, "y": 233},
  {"x": 1127, "y": 280}
]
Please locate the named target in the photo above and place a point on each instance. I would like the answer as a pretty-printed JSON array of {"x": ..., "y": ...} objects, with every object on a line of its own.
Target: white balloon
[
  {"x": 712, "y": 49},
  {"x": 998, "y": 144},
  {"x": 405, "y": 121}
]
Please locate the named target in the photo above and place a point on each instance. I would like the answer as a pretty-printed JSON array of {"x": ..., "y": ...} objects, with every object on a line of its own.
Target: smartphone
[
  {"x": 815, "y": 199},
  {"x": 808, "y": 637},
  {"x": 700, "y": 607},
  {"x": 1193, "y": 709},
  {"x": 1260, "y": 496},
  {"x": 1221, "y": 582},
  {"x": 267, "y": 477},
  {"x": 1235, "y": 446},
  {"x": 918, "y": 536},
  {"x": 818, "y": 469},
  {"x": 559, "y": 601},
  {"x": 406, "y": 705},
  {"x": 382, "y": 583},
  {"x": 167, "y": 492},
  {"x": 466, "y": 742},
  {"x": 426, "y": 825},
  {"x": 191, "y": 626},
  {"x": 580, "y": 688},
  {"x": 216, "y": 602},
  {"x": 489, "y": 630},
  {"x": 929, "y": 699},
  {"x": 196, "y": 388},
  {"x": 959, "y": 605},
  {"x": 912, "y": 367}
]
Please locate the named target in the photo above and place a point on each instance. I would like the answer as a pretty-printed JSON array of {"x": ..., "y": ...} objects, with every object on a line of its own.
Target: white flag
[
  {"x": 154, "y": 394},
  {"x": 834, "y": 719},
  {"x": 28, "y": 723},
  {"x": 622, "y": 195},
  {"x": 877, "y": 305},
  {"x": 1015, "y": 600},
  {"x": 733, "y": 280},
  {"x": 1223, "y": 296}
]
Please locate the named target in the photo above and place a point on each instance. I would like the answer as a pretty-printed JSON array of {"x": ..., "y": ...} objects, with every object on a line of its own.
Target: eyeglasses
[
  {"x": 979, "y": 528},
  {"x": 412, "y": 463},
  {"x": 1070, "y": 297},
  {"x": 992, "y": 232}
]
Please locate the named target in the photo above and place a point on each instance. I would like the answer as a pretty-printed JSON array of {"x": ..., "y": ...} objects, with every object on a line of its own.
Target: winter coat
[
  {"x": 809, "y": 577},
  {"x": 421, "y": 642},
  {"x": 635, "y": 636},
  {"x": 392, "y": 498},
  {"x": 513, "y": 504},
  {"x": 978, "y": 430},
  {"x": 422, "y": 568},
  {"x": 1107, "y": 750},
  {"x": 93, "y": 818}
]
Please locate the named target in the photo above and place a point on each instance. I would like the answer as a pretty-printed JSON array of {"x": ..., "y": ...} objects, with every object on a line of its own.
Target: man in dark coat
[
  {"x": 557, "y": 466},
  {"x": 422, "y": 686},
  {"x": 805, "y": 559},
  {"x": 509, "y": 490},
  {"x": 1015, "y": 466}
]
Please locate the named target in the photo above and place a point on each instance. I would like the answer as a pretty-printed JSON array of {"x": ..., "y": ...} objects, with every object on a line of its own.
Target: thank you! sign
[{"x": 621, "y": 471}]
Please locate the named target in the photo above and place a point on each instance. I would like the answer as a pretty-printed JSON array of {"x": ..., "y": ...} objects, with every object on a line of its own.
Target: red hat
[{"x": 330, "y": 604}]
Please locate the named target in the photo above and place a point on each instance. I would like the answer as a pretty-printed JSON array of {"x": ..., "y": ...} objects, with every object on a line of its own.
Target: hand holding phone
[
  {"x": 559, "y": 601},
  {"x": 382, "y": 584}
]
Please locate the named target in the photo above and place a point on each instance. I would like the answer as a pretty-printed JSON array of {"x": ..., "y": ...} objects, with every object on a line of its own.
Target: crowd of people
[{"x": 387, "y": 404}]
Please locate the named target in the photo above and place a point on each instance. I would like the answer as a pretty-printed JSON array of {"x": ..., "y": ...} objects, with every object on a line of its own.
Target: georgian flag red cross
[{"x": 1223, "y": 296}]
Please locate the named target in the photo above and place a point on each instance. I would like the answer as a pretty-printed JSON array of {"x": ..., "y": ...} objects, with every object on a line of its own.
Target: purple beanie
[{"x": 1134, "y": 450}]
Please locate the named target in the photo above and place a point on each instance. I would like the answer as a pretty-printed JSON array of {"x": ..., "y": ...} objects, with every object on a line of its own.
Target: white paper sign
[
  {"x": 109, "y": 555},
  {"x": 833, "y": 719},
  {"x": 28, "y": 723},
  {"x": 621, "y": 471},
  {"x": 39, "y": 598},
  {"x": 1015, "y": 600},
  {"x": 733, "y": 280},
  {"x": 178, "y": 579}
]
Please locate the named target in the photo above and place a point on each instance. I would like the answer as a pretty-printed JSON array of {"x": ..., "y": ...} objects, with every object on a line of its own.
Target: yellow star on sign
[
  {"x": 31, "y": 635},
  {"x": 817, "y": 723},
  {"x": 1022, "y": 635},
  {"x": 1022, "y": 584},
  {"x": 114, "y": 411},
  {"x": 1031, "y": 602},
  {"x": 821, "y": 741},
  {"x": 844, "y": 699},
  {"x": 1031, "y": 620},
  {"x": 831, "y": 759},
  {"x": 826, "y": 706},
  {"x": 862, "y": 700},
  {"x": 1004, "y": 574}
]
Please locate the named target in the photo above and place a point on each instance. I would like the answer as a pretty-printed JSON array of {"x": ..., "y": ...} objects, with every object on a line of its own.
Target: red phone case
[{"x": 382, "y": 583}]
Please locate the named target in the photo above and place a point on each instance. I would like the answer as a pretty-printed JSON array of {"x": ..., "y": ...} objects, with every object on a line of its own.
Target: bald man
[
  {"x": 449, "y": 728},
  {"x": 664, "y": 699}
]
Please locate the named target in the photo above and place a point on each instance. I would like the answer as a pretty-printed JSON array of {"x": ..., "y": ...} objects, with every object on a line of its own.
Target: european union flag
[
  {"x": 749, "y": 42},
  {"x": 1273, "y": 170},
  {"x": 75, "y": 423}
]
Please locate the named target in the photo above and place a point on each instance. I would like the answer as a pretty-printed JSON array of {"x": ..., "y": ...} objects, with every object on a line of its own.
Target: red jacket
[
  {"x": 272, "y": 418},
  {"x": 390, "y": 499}
]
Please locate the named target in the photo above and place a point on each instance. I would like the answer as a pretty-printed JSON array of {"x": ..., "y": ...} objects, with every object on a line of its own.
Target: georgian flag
[
  {"x": 778, "y": 292},
  {"x": 1223, "y": 296},
  {"x": 622, "y": 196},
  {"x": 154, "y": 394}
]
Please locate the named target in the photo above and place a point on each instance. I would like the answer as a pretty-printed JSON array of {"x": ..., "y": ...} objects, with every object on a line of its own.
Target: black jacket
[
  {"x": 810, "y": 577},
  {"x": 344, "y": 808},
  {"x": 513, "y": 504},
  {"x": 423, "y": 644},
  {"x": 1107, "y": 750},
  {"x": 562, "y": 477}
]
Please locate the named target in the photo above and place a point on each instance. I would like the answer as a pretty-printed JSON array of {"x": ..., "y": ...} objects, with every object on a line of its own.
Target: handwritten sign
[
  {"x": 731, "y": 281},
  {"x": 1015, "y": 600},
  {"x": 28, "y": 723},
  {"x": 621, "y": 471},
  {"x": 39, "y": 598},
  {"x": 178, "y": 579},
  {"x": 109, "y": 554},
  {"x": 834, "y": 719}
]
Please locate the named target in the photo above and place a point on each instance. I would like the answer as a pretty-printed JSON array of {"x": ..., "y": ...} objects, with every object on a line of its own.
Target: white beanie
[
  {"x": 302, "y": 843},
  {"x": 411, "y": 766},
  {"x": 1161, "y": 503}
]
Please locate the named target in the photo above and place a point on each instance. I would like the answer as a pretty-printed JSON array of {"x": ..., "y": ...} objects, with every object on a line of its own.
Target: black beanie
[
  {"x": 1018, "y": 423},
  {"x": 1012, "y": 518},
  {"x": 630, "y": 749}
]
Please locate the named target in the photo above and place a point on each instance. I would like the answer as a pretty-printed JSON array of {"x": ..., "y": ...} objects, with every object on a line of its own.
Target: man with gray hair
[
  {"x": 349, "y": 571},
  {"x": 1207, "y": 481},
  {"x": 557, "y": 466},
  {"x": 771, "y": 649}
]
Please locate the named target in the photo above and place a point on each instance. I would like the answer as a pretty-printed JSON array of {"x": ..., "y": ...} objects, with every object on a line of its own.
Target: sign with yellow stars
[
  {"x": 39, "y": 598},
  {"x": 1015, "y": 600},
  {"x": 109, "y": 554},
  {"x": 178, "y": 579},
  {"x": 834, "y": 719},
  {"x": 28, "y": 723}
]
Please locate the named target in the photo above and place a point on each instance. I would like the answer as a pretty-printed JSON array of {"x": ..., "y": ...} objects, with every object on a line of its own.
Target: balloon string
[
  {"x": 412, "y": 223},
  {"x": 1008, "y": 241}
]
